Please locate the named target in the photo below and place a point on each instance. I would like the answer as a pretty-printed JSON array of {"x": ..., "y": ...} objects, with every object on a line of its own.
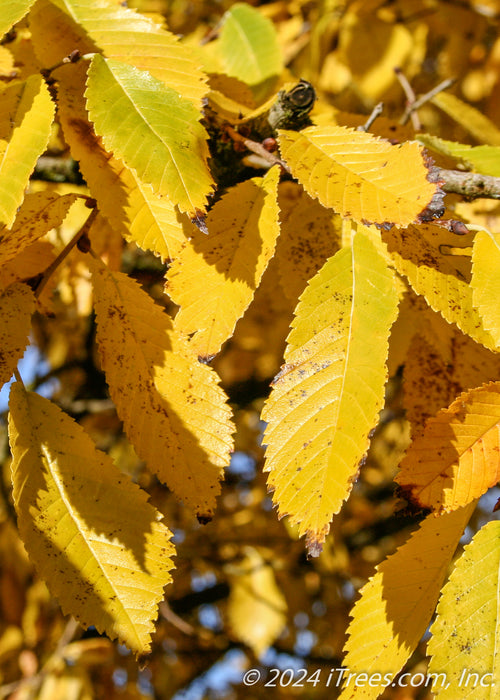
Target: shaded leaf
[
  {"x": 26, "y": 115},
  {"x": 125, "y": 35},
  {"x": 32, "y": 261},
  {"x": 362, "y": 177},
  {"x": 485, "y": 280},
  {"x": 39, "y": 213},
  {"x": 310, "y": 234},
  {"x": 464, "y": 638},
  {"x": 17, "y": 304},
  {"x": 174, "y": 412},
  {"x": 456, "y": 459},
  {"x": 429, "y": 257},
  {"x": 432, "y": 380},
  {"x": 152, "y": 129},
  {"x": 397, "y": 603},
  {"x": 249, "y": 48},
  {"x": 214, "y": 278},
  {"x": 326, "y": 398},
  {"x": 256, "y": 606},
  {"x": 87, "y": 528},
  {"x": 258, "y": 343}
]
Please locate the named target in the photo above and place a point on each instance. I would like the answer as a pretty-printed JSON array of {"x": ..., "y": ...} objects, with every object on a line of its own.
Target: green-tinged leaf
[
  {"x": 256, "y": 607},
  {"x": 39, "y": 213},
  {"x": 152, "y": 129},
  {"x": 397, "y": 603},
  {"x": 249, "y": 48},
  {"x": 431, "y": 258},
  {"x": 120, "y": 33},
  {"x": 17, "y": 304},
  {"x": 327, "y": 396},
  {"x": 362, "y": 177},
  {"x": 174, "y": 412},
  {"x": 26, "y": 115},
  {"x": 455, "y": 460},
  {"x": 464, "y": 646},
  {"x": 482, "y": 159},
  {"x": 88, "y": 529},
  {"x": 476, "y": 123},
  {"x": 215, "y": 277},
  {"x": 132, "y": 208},
  {"x": 485, "y": 281},
  {"x": 11, "y": 12}
]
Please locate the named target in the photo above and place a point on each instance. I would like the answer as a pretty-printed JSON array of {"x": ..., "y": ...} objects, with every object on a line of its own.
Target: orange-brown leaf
[{"x": 457, "y": 458}]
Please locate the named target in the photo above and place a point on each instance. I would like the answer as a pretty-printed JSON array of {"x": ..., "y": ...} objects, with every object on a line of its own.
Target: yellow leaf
[
  {"x": 32, "y": 261},
  {"x": 155, "y": 131},
  {"x": 257, "y": 345},
  {"x": 214, "y": 278},
  {"x": 464, "y": 642},
  {"x": 310, "y": 234},
  {"x": 120, "y": 33},
  {"x": 397, "y": 603},
  {"x": 362, "y": 177},
  {"x": 26, "y": 114},
  {"x": 12, "y": 12},
  {"x": 106, "y": 242},
  {"x": 173, "y": 410},
  {"x": 371, "y": 47},
  {"x": 470, "y": 118},
  {"x": 326, "y": 398},
  {"x": 485, "y": 281},
  {"x": 87, "y": 528},
  {"x": 256, "y": 606},
  {"x": 432, "y": 380},
  {"x": 427, "y": 256},
  {"x": 39, "y": 213},
  {"x": 133, "y": 209},
  {"x": 456, "y": 459},
  {"x": 17, "y": 304},
  {"x": 428, "y": 384}
]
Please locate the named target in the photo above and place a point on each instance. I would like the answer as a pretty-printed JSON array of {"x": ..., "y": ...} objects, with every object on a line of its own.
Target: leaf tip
[
  {"x": 315, "y": 540},
  {"x": 204, "y": 518}
]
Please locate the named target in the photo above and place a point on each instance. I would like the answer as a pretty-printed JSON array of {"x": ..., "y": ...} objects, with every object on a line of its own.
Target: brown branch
[
  {"x": 91, "y": 203},
  {"x": 376, "y": 112},
  {"x": 414, "y": 104},
  {"x": 255, "y": 147},
  {"x": 470, "y": 185},
  {"x": 411, "y": 98}
]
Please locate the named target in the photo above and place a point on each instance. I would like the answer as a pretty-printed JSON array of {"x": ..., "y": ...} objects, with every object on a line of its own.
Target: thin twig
[
  {"x": 376, "y": 112},
  {"x": 411, "y": 98},
  {"x": 33, "y": 683},
  {"x": 73, "y": 57},
  {"x": 255, "y": 147},
  {"x": 444, "y": 85},
  {"x": 65, "y": 251},
  {"x": 168, "y": 614}
]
